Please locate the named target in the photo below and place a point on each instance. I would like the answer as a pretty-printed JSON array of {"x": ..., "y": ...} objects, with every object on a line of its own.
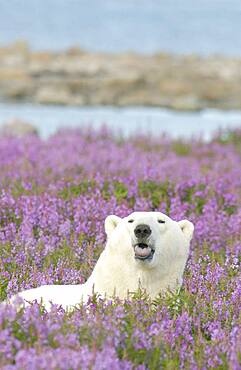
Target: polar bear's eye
[
  {"x": 130, "y": 221},
  {"x": 161, "y": 221}
]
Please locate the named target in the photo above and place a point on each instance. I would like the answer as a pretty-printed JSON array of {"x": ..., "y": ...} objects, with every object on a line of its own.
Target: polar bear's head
[{"x": 149, "y": 239}]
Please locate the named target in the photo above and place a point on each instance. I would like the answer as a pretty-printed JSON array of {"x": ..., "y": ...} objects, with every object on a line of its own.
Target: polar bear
[{"x": 146, "y": 250}]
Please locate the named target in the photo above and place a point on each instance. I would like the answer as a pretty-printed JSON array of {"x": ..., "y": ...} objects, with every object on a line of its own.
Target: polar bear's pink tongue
[{"x": 142, "y": 252}]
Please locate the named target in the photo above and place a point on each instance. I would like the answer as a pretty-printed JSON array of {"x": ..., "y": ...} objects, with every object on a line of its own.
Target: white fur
[{"x": 117, "y": 272}]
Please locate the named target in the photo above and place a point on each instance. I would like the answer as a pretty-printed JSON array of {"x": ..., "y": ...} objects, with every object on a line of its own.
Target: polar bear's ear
[
  {"x": 187, "y": 228},
  {"x": 110, "y": 223}
]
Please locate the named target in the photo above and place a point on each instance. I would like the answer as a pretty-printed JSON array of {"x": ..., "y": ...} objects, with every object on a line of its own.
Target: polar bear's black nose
[{"x": 142, "y": 231}]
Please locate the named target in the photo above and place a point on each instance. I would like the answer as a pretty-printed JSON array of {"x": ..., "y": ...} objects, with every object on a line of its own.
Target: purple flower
[{"x": 54, "y": 197}]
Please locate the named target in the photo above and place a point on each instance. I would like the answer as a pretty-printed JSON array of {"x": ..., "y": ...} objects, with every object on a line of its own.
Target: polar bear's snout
[
  {"x": 142, "y": 246},
  {"x": 142, "y": 231}
]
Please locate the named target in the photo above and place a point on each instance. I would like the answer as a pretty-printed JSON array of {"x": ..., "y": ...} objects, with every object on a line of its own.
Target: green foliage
[
  {"x": 3, "y": 289},
  {"x": 65, "y": 253},
  {"x": 75, "y": 190},
  {"x": 120, "y": 191},
  {"x": 156, "y": 192},
  {"x": 18, "y": 189},
  {"x": 230, "y": 210},
  {"x": 18, "y": 332},
  {"x": 181, "y": 148},
  {"x": 230, "y": 137},
  {"x": 188, "y": 195},
  {"x": 10, "y": 216},
  {"x": 105, "y": 190},
  {"x": 199, "y": 204}
]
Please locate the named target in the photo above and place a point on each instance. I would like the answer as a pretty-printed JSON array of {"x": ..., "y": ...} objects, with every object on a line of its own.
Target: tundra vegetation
[{"x": 54, "y": 197}]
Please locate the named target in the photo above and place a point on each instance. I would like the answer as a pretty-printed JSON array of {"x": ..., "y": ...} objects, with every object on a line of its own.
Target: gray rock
[
  {"x": 18, "y": 128},
  {"x": 78, "y": 77}
]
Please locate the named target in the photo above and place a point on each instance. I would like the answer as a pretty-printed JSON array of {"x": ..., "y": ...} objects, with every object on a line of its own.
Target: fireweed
[{"x": 54, "y": 197}]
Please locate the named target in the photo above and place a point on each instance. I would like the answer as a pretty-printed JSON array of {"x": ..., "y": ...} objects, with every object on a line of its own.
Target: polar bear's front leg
[
  {"x": 67, "y": 296},
  {"x": 39, "y": 295}
]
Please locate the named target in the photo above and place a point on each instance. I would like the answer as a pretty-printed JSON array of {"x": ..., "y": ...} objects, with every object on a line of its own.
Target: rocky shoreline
[{"x": 77, "y": 77}]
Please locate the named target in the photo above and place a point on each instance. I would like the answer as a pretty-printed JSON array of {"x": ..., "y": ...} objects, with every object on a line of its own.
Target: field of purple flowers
[{"x": 54, "y": 197}]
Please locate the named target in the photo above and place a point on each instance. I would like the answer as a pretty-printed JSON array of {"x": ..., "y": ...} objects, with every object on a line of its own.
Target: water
[
  {"x": 49, "y": 119},
  {"x": 179, "y": 26}
]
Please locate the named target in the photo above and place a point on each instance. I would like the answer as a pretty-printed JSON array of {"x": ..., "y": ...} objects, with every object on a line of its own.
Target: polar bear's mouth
[{"x": 143, "y": 251}]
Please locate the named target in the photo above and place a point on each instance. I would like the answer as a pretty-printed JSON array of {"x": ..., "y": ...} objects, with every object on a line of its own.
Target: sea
[{"x": 203, "y": 27}]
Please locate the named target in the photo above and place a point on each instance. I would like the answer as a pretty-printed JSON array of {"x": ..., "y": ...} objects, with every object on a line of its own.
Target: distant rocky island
[{"x": 78, "y": 77}]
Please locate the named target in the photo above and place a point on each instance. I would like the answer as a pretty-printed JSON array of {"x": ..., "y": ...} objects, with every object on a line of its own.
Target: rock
[
  {"x": 53, "y": 95},
  {"x": 18, "y": 128},
  {"x": 186, "y": 103},
  {"x": 78, "y": 77}
]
